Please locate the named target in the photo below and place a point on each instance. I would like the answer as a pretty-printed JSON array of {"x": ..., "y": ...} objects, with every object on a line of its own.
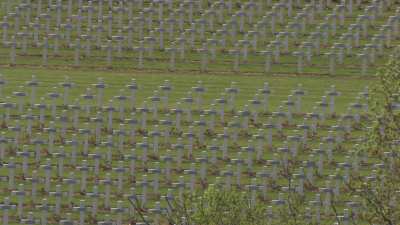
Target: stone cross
[
  {"x": 45, "y": 209},
  {"x": 109, "y": 49},
  {"x": 307, "y": 48},
  {"x": 265, "y": 91},
  {"x": 141, "y": 50},
  {"x": 332, "y": 20},
  {"x": 144, "y": 184},
  {"x": 210, "y": 15},
  {"x": 268, "y": 60},
  {"x": 20, "y": 95},
  {"x": 222, "y": 33},
  {"x": 181, "y": 40},
  {"x": 339, "y": 48},
  {"x": 100, "y": 86},
  {"x": 155, "y": 102},
  {"x": 68, "y": 30},
  {"x": 300, "y": 60},
  {"x": 355, "y": 30},
  {"x": 204, "y": 57},
  {"x": 42, "y": 107},
  {"x": 3, "y": 142},
  {"x": 276, "y": 51},
  {"x": 387, "y": 32},
  {"x": 151, "y": 42},
  {"x": 99, "y": 33},
  {"x": 121, "y": 133},
  {"x": 284, "y": 38},
  {"x": 144, "y": 110},
  {"x": 71, "y": 182},
  {"x": 201, "y": 22},
  {"x": 140, "y": 21},
  {"x": 332, "y": 93},
  {"x": 25, "y": 155},
  {"x": 79, "y": 18},
  {"x": 119, "y": 210},
  {"x": 161, "y": 31},
  {"x": 82, "y": 211},
  {"x": 57, "y": 195},
  {"x": 364, "y": 63},
  {"x": 148, "y": 12},
  {"x": 88, "y": 45},
  {"x": 236, "y": 54},
  {"x": 24, "y": 34},
  {"x": 245, "y": 45},
  {"x": 364, "y": 21},
  {"x": 299, "y": 93},
  {"x": 11, "y": 166},
  {"x": 110, "y": 109},
  {"x": 323, "y": 28},
  {"x": 394, "y": 22},
  {"x": 172, "y": 50},
  {"x": 56, "y": 36},
  {"x": 110, "y": 145},
  {"x": 45, "y": 51},
  {"x": 109, "y": 19},
  {"x": 119, "y": 39},
  {"x": 255, "y": 107},
  {"x": 133, "y": 87},
  {"x": 171, "y": 21},
  {"x": 165, "y": 89},
  {"x": 340, "y": 10},
  {"x": 94, "y": 195},
  {"x": 212, "y": 42},
  {"x": 33, "y": 84},
  {"x": 315, "y": 38},
  {"x": 332, "y": 62},
  {"x": 5, "y": 25},
  {"x": 75, "y": 113},
  {"x": 96, "y": 156},
  {"x": 3, "y": 82},
  {"x": 107, "y": 182},
  {"x": 203, "y": 166},
  {"x": 66, "y": 85},
  {"x": 347, "y": 38},
  {"x": 371, "y": 50},
  {"x": 6, "y": 207},
  {"x": 53, "y": 96},
  {"x": 191, "y": 32},
  {"x": 21, "y": 194},
  {"x": 67, "y": 220},
  {"x": 239, "y": 162},
  {"x": 84, "y": 169},
  {"x": 130, "y": 29},
  {"x": 190, "y": 136}
]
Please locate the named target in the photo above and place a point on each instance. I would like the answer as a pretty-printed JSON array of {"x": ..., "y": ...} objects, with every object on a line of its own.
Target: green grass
[
  {"x": 281, "y": 86},
  {"x": 223, "y": 64},
  {"x": 282, "y": 80}
]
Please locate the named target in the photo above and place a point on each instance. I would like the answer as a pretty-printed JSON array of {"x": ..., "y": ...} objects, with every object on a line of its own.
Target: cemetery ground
[
  {"x": 282, "y": 84},
  {"x": 49, "y": 81},
  {"x": 126, "y": 112},
  {"x": 326, "y": 37}
]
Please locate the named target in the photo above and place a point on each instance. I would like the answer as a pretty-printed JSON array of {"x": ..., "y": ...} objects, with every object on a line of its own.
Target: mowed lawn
[{"x": 281, "y": 85}]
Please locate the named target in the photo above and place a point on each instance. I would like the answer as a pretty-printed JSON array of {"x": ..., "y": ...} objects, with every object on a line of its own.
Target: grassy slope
[{"x": 281, "y": 85}]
